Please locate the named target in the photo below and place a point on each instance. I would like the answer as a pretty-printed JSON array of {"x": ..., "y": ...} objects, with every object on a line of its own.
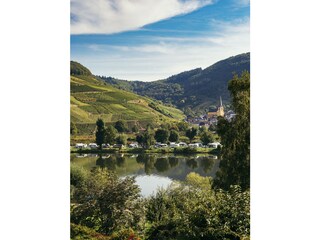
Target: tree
[
  {"x": 207, "y": 137},
  {"x": 107, "y": 203},
  {"x": 174, "y": 136},
  {"x": 146, "y": 139},
  {"x": 100, "y": 132},
  {"x": 121, "y": 126},
  {"x": 73, "y": 128},
  {"x": 162, "y": 135},
  {"x": 235, "y": 137},
  {"x": 122, "y": 139},
  {"x": 191, "y": 133},
  {"x": 110, "y": 135}
]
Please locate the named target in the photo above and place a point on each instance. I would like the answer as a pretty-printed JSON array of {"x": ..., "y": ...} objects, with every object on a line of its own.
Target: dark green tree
[
  {"x": 162, "y": 135},
  {"x": 207, "y": 137},
  {"x": 235, "y": 137},
  {"x": 182, "y": 126},
  {"x": 121, "y": 126},
  {"x": 111, "y": 135},
  {"x": 174, "y": 136},
  {"x": 191, "y": 133},
  {"x": 146, "y": 139},
  {"x": 73, "y": 128},
  {"x": 100, "y": 133},
  {"x": 107, "y": 203}
]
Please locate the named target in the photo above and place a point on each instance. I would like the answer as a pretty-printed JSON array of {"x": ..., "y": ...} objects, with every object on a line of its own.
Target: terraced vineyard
[{"x": 92, "y": 99}]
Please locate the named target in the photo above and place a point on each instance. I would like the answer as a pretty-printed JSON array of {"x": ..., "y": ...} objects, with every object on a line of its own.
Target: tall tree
[
  {"x": 100, "y": 133},
  {"x": 191, "y": 133},
  {"x": 111, "y": 135},
  {"x": 235, "y": 137},
  {"x": 174, "y": 136},
  {"x": 207, "y": 137},
  {"x": 162, "y": 135}
]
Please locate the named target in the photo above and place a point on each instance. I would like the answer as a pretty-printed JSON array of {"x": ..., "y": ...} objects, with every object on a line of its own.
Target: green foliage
[
  {"x": 73, "y": 128},
  {"x": 191, "y": 133},
  {"x": 161, "y": 135},
  {"x": 78, "y": 69},
  {"x": 108, "y": 204},
  {"x": 121, "y": 126},
  {"x": 182, "y": 126},
  {"x": 135, "y": 129},
  {"x": 78, "y": 175},
  {"x": 100, "y": 133},
  {"x": 192, "y": 213},
  {"x": 122, "y": 139},
  {"x": 111, "y": 135},
  {"x": 78, "y": 232},
  {"x": 146, "y": 139},
  {"x": 197, "y": 181},
  {"x": 174, "y": 136},
  {"x": 235, "y": 137},
  {"x": 212, "y": 128},
  {"x": 207, "y": 137}
]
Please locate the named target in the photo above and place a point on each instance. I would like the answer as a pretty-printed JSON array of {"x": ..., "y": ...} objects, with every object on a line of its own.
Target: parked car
[
  {"x": 93, "y": 145},
  {"x": 105, "y": 145},
  {"x": 173, "y": 145},
  {"x": 133, "y": 145},
  {"x": 213, "y": 145},
  {"x": 118, "y": 146},
  {"x": 81, "y": 145},
  {"x": 195, "y": 145},
  {"x": 182, "y": 144}
]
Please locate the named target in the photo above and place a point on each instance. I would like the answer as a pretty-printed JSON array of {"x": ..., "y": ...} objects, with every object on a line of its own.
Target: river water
[{"x": 152, "y": 171}]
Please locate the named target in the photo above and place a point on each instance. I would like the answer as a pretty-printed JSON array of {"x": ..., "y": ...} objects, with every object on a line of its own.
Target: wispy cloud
[
  {"x": 165, "y": 56},
  {"x": 113, "y": 16}
]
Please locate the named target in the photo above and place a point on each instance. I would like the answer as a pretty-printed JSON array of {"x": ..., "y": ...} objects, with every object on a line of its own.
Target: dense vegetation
[
  {"x": 104, "y": 206},
  {"x": 107, "y": 207},
  {"x": 193, "y": 91},
  {"x": 235, "y": 136},
  {"x": 92, "y": 98}
]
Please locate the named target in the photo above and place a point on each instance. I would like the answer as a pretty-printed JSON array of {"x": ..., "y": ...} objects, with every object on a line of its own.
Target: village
[{"x": 211, "y": 118}]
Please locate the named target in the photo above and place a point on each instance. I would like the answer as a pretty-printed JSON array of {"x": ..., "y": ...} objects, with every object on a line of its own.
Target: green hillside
[
  {"x": 92, "y": 98},
  {"x": 196, "y": 90}
]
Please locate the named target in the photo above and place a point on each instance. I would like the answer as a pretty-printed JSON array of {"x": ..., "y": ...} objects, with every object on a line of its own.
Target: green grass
[{"x": 92, "y": 99}]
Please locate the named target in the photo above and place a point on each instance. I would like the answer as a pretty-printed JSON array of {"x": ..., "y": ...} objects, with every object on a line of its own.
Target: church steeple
[{"x": 220, "y": 102}]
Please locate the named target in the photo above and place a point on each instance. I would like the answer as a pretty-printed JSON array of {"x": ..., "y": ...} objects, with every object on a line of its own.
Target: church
[{"x": 218, "y": 113}]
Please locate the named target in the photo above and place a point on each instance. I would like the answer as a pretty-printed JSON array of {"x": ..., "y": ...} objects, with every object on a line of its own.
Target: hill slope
[
  {"x": 196, "y": 89},
  {"x": 92, "y": 98}
]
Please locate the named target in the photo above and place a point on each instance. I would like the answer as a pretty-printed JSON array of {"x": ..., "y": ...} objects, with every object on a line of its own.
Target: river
[{"x": 152, "y": 171}]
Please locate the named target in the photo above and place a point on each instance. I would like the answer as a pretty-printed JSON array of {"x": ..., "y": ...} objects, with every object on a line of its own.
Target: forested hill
[
  {"x": 197, "y": 90},
  {"x": 92, "y": 98}
]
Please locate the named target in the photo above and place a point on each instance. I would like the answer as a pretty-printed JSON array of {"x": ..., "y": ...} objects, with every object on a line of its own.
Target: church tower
[{"x": 220, "y": 111}]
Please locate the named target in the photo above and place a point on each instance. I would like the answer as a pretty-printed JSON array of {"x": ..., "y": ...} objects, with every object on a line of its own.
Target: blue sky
[{"x": 154, "y": 39}]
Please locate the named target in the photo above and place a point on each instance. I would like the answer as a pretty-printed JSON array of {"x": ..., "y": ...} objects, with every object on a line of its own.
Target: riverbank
[{"x": 186, "y": 150}]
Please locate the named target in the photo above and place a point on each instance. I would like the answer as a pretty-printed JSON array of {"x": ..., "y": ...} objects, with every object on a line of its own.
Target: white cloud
[
  {"x": 112, "y": 16},
  {"x": 169, "y": 55}
]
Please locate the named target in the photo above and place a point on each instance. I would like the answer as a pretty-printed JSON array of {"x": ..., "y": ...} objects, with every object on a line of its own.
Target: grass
[{"x": 92, "y": 99}]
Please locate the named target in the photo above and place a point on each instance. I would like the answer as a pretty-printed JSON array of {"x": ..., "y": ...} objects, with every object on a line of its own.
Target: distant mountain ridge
[{"x": 194, "y": 91}]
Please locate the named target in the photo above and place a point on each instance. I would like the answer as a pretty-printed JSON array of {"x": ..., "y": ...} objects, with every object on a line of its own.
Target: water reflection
[{"x": 172, "y": 166}]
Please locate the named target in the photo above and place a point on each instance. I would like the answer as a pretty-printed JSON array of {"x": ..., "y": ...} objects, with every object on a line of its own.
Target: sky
[{"x": 149, "y": 40}]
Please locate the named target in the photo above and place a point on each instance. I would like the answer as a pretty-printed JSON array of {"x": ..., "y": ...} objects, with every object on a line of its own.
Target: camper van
[
  {"x": 81, "y": 145},
  {"x": 213, "y": 145}
]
